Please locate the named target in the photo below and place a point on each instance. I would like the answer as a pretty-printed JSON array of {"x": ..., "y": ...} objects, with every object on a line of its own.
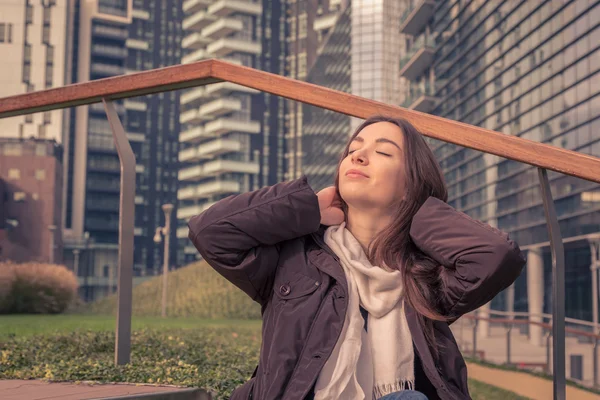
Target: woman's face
[{"x": 377, "y": 155}]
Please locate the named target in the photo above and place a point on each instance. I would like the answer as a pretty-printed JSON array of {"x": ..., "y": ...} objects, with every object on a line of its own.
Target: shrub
[
  {"x": 35, "y": 288},
  {"x": 196, "y": 290}
]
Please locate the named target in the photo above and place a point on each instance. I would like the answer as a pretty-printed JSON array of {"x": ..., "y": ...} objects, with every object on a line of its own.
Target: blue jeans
[{"x": 404, "y": 395}]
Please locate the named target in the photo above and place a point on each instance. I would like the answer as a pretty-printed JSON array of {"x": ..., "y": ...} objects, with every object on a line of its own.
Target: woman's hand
[{"x": 330, "y": 205}]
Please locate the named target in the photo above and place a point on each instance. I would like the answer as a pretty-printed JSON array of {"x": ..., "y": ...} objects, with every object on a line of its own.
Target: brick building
[{"x": 31, "y": 200}]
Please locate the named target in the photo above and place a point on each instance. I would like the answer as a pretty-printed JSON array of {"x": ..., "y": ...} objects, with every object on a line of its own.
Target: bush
[
  {"x": 196, "y": 291},
  {"x": 35, "y": 288}
]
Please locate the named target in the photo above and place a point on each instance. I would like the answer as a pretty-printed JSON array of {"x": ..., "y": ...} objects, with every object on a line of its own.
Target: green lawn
[
  {"x": 27, "y": 325},
  {"x": 217, "y": 355}
]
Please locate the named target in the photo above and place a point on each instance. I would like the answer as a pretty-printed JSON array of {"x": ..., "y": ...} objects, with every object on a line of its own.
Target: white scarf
[{"x": 367, "y": 365}]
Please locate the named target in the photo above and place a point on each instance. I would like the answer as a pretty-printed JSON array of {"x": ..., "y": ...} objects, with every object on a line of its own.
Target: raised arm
[
  {"x": 480, "y": 260},
  {"x": 239, "y": 236}
]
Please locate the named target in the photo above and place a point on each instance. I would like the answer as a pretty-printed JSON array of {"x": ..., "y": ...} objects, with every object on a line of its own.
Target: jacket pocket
[
  {"x": 243, "y": 392},
  {"x": 290, "y": 285}
]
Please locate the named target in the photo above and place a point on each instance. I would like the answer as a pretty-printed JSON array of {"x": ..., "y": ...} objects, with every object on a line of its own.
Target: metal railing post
[
  {"x": 548, "y": 353},
  {"x": 475, "y": 321},
  {"x": 558, "y": 288},
  {"x": 595, "y": 362},
  {"x": 508, "y": 330},
  {"x": 126, "y": 232}
]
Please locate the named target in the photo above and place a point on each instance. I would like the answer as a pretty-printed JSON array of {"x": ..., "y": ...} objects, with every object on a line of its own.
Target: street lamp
[
  {"x": 165, "y": 230},
  {"x": 77, "y": 252},
  {"x": 52, "y": 229}
]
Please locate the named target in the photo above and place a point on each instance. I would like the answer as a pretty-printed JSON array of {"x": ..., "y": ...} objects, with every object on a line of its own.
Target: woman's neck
[{"x": 365, "y": 225}]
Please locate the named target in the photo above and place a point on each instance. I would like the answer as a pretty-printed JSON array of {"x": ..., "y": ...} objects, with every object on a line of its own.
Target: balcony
[
  {"x": 219, "y": 107},
  {"x": 195, "y": 41},
  {"x": 324, "y": 22},
  {"x": 135, "y": 105},
  {"x": 109, "y": 51},
  {"x": 190, "y": 174},
  {"x": 191, "y": 117},
  {"x": 226, "y": 46},
  {"x": 193, "y": 135},
  {"x": 418, "y": 58},
  {"x": 136, "y": 137},
  {"x": 183, "y": 232},
  {"x": 222, "y": 126},
  {"x": 416, "y": 17},
  {"x": 222, "y": 28},
  {"x": 194, "y": 56},
  {"x": 206, "y": 190},
  {"x": 224, "y": 88},
  {"x": 107, "y": 69},
  {"x": 191, "y": 96},
  {"x": 198, "y": 21},
  {"x": 110, "y": 32},
  {"x": 210, "y": 110},
  {"x": 224, "y": 8},
  {"x": 216, "y": 167},
  {"x": 209, "y": 150},
  {"x": 420, "y": 98},
  {"x": 188, "y": 212},
  {"x": 192, "y": 6},
  {"x": 137, "y": 44}
]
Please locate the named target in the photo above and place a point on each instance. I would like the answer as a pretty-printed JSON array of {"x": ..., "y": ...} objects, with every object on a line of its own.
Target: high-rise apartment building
[
  {"x": 33, "y": 47},
  {"x": 324, "y": 132},
  {"x": 230, "y": 140},
  {"x": 109, "y": 38},
  {"x": 308, "y": 24}
]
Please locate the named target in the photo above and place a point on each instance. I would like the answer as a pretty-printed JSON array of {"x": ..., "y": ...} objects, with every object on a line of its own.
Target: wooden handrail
[
  {"x": 527, "y": 322},
  {"x": 210, "y": 71}
]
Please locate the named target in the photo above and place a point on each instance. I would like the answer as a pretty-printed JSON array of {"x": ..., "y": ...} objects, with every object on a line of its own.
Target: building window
[
  {"x": 35, "y": 196},
  {"x": 3, "y": 37},
  {"x": 14, "y": 173},
  {"x": 19, "y": 196},
  {"x": 49, "y": 72},
  {"x": 26, "y": 73},
  {"x": 40, "y": 174},
  {"x": 46, "y": 35}
]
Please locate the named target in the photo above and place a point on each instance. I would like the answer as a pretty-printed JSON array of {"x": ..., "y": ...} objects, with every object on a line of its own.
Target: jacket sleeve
[
  {"x": 480, "y": 261},
  {"x": 239, "y": 235}
]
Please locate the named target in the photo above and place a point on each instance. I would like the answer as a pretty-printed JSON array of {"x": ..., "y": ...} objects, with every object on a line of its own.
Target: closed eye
[{"x": 378, "y": 152}]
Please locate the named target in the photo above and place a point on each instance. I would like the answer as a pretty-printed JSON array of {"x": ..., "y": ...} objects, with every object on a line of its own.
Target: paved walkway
[
  {"x": 522, "y": 351},
  {"x": 524, "y": 384},
  {"x": 38, "y": 390}
]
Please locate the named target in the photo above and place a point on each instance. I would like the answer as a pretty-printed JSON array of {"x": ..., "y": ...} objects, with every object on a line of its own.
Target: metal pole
[
  {"x": 475, "y": 339},
  {"x": 595, "y": 362},
  {"x": 126, "y": 232},
  {"x": 52, "y": 229},
  {"x": 167, "y": 208},
  {"x": 558, "y": 288},
  {"x": 548, "y": 336},
  {"x": 508, "y": 329},
  {"x": 76, "y": 262}
]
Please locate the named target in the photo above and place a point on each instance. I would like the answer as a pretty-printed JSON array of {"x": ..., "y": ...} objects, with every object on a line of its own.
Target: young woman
[{"x": 358, "y": 284}]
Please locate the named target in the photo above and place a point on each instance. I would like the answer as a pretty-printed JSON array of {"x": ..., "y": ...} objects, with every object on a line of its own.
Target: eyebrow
[{"x": 380, "y": 140}]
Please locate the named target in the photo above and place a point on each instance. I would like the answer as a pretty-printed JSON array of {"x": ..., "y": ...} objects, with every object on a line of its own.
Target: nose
[{"x": 359, "y": 157}]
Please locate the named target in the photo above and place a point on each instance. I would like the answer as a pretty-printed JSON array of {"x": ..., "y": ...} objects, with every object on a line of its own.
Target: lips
[{"x": 355, "y": 172}]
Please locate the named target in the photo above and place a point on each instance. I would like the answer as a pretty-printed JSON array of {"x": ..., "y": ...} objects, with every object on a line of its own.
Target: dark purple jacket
[{"x": 269, "y": 243}]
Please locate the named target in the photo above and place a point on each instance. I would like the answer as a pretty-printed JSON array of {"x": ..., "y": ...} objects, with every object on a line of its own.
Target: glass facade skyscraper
[
  {"x": 528, "y": 69},
  {"x": 109, "y": 38}
]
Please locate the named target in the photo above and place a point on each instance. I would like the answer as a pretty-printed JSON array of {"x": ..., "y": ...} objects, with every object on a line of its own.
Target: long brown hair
[{"x": 393, "y": 246}]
